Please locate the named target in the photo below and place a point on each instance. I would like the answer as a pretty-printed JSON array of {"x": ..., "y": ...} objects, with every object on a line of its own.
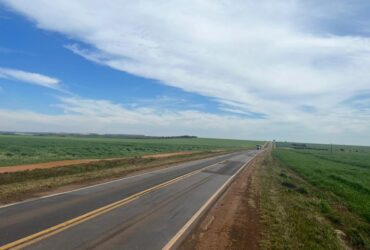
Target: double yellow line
[{"x": 21, "y": 243}]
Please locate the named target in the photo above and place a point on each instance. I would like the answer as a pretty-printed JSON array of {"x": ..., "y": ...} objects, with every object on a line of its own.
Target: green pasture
[
  {"x": 24, "y": 149},
  {"x": 342, "y": 179}
]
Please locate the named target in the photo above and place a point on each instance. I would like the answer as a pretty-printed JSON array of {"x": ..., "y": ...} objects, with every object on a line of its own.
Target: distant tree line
[{"x": 94, "y": 135}]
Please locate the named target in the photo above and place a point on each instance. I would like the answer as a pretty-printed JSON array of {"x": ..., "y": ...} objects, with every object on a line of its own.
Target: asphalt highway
[{"x": 147, "y": 211}]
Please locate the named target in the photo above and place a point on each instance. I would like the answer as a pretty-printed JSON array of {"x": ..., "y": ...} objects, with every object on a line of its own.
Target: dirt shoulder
[
  {"x": 54, "y": 164},
  {"x": 233, "y": 222}
]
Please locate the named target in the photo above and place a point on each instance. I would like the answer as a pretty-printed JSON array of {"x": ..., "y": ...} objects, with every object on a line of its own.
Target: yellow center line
[{"x": 31, "y": 239}]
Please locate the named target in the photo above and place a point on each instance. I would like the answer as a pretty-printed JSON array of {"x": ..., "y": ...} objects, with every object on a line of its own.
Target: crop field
[
  {"x": 341, "y": 177},
  {"x": 24, "y": 149}
]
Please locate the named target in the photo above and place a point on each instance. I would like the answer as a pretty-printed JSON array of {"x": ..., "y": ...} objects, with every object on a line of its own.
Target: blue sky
[
  {"x": 296, "y": 70},
  {"x": 34, "y": 50}
]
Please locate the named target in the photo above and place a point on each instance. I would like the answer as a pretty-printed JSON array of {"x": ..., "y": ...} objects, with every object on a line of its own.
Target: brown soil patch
[
  {"x": 53, "y": 164},
  {"x": 233, "y": 222}
]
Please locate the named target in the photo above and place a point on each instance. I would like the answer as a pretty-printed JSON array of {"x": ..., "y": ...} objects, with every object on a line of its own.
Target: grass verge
[
  {"x": 295, "y": 214},
  {"x": 20, "y": 185}
]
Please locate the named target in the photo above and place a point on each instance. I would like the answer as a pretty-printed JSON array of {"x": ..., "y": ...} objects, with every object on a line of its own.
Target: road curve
[{"x": 146, "y": 211}]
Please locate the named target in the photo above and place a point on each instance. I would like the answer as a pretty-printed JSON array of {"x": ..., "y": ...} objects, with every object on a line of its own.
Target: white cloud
[
  {"x": 29, "y": 77},
  {"x": 102, "y": 116},
  {"x": 269, "y": 57}
]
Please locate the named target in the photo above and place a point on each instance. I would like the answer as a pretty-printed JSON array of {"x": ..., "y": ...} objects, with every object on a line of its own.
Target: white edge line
[
  {"x": 95, "y": 185},
  {"x": 174, "y": 240}
]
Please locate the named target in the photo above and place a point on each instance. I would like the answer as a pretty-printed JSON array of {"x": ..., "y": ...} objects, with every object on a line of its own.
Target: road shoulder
[{"x": 233, "y": 222}]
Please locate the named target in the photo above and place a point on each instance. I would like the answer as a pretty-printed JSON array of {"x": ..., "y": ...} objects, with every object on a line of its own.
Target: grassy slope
[
  {"x": 340, "y": 182},
  {"x": 16, "y": 149}
]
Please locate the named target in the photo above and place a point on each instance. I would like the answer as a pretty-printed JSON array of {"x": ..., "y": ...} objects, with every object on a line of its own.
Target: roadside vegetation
[
  {"x": 25, "y": 149},
  {"x": 315, "y": 197},
  {"x": 19, "y": 185}
]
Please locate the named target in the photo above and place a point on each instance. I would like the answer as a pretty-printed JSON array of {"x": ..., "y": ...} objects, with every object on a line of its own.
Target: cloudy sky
[{"x": 292, "y": 70}]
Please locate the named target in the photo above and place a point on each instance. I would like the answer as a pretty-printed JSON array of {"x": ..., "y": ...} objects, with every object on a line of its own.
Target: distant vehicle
[{"x": 258, "y": 147}]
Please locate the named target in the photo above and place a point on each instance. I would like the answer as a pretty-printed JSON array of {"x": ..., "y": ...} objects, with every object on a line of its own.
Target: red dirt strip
[{"x": 53, "y": 164}]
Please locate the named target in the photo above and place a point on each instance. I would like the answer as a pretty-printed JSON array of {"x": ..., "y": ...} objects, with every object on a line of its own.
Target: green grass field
[
  {"x": 341, "y": 178},
  {"x": 24, "y": 149}
]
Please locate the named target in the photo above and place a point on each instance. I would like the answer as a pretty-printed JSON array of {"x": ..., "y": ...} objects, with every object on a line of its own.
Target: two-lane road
[{"x": 147, "y": 211}]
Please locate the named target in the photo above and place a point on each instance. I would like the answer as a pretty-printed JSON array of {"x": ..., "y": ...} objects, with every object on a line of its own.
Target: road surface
[{"x": 147, "y": 211}]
